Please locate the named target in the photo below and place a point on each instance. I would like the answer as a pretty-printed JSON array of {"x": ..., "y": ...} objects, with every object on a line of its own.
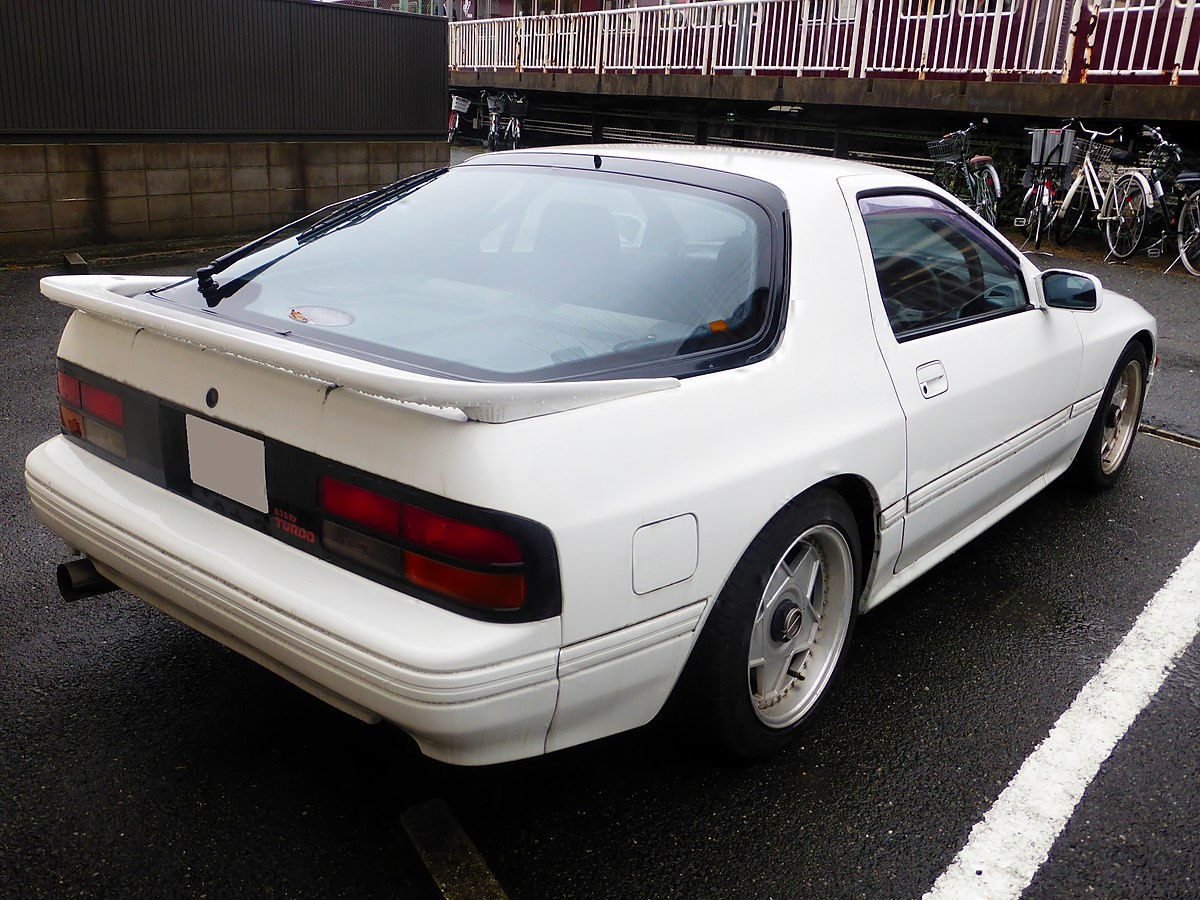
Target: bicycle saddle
[
  {"x": 1187, "y": 177},
  {"x": 979, "y": 160},
  {"x": 1123, "y": 157}
]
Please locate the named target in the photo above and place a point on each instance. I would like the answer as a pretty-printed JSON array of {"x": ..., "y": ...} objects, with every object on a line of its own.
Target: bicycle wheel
[
  {"x": 1189, "y": 233},
  {"x": 985, "y": 196},
  {"x": 1124, "y": 216},
  {"x": 947, "y": 176},
  {"x": 1027, "y": 213},
  {"x": 1036, "y": 211},
  {"x": 1072, "y": 214}
]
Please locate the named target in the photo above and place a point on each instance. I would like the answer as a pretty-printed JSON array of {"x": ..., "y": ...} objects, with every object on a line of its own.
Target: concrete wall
[{"x": 60, "y": 197}]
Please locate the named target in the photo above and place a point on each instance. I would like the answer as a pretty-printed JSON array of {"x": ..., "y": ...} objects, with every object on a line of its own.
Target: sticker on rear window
[{"x": 321, "y": 315}]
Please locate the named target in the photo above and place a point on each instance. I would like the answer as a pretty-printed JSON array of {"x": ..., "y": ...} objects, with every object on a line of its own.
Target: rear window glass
[{"x": 502, "y": 272}]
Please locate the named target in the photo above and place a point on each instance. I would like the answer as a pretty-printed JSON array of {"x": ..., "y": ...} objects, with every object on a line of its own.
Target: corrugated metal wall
[{"x": 253, "y": 68}]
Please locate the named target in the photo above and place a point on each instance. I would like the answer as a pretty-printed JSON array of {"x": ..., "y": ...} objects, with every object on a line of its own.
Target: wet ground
[{"x": 139, "y": 759}]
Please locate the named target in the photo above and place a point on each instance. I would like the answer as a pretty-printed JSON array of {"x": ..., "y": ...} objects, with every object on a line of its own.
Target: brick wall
[{"x": 60, "y": 197}]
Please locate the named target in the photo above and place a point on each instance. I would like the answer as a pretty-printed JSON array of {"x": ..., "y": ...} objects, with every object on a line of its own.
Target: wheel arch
[
  {"x": 864, "y": 503},
  {"x": 860, "y": 496},
  {"x": 1146, "y": 339}
]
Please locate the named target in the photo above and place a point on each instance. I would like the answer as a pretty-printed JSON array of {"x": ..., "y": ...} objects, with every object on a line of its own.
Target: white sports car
[{"x": 513, "y": 453}]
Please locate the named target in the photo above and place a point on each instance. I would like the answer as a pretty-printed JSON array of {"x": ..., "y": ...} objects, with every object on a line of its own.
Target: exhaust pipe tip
[{"x": 78, "y": 579}]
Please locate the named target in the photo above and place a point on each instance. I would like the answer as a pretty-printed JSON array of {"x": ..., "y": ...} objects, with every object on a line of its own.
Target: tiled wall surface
[{"x": 61, "y": 197}]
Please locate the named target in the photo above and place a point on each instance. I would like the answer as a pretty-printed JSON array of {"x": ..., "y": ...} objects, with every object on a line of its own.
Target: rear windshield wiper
[{"x": 348, "y": 211}]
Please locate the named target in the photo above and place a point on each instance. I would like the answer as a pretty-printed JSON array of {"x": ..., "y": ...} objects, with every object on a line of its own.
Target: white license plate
[{"x": 228, "y": 462}]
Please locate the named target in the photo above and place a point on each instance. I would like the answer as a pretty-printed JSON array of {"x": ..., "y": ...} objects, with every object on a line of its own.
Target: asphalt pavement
[{"x": 140, "y": 759}]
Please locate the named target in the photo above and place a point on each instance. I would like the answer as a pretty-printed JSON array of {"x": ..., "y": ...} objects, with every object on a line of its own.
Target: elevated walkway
[{"x": 1050, "y": 58}]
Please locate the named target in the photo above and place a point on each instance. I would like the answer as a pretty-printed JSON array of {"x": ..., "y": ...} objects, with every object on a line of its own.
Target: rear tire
[
  {"x": 985, "y": 203},
  {"x": 779, "y": 631},
  {"x": 1105, "y": 449}
]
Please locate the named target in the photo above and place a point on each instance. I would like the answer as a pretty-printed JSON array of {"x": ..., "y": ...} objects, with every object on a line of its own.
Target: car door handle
[{"x": 931, "y": 378}]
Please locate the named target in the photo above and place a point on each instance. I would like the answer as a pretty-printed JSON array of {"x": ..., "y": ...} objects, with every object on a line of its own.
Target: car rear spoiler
[{"x": 118, "y": 297}]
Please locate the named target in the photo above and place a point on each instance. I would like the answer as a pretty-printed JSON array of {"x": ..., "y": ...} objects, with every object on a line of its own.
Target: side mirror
[{"x": 1064, "y": 289}]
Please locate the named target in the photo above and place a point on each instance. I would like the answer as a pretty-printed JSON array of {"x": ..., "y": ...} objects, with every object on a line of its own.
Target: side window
[{"x": 937, "y": 268}]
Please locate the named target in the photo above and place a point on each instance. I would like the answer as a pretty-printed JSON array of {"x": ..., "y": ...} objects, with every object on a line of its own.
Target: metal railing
[{"x": 981, "y": 39}]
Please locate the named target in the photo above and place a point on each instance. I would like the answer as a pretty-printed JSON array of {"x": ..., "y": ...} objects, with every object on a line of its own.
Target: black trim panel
[{"x": 156, "y": 444}]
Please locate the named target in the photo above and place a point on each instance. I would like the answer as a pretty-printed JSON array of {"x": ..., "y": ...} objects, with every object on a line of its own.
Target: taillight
[
  {"x": 462, "y": 561},
  {"x": 482, "y": 589},
  {"x": 103, "y": 404},
  {"x": 68, "y": 388},
  {"x": 360, "y": 506},
  {"x": 91, "y": 414},
  {"x": 458, "y": 539}
]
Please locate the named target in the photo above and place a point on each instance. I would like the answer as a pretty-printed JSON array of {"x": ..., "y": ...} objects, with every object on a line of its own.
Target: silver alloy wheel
[
  {"x": 1121, "y": 418},
  {"x": 801, "y": 624}
]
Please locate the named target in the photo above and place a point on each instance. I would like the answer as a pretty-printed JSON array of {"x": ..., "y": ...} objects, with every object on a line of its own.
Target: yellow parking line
[
  {"x": 1163, "y": 434},
  {"x": 449, "y": 854}
]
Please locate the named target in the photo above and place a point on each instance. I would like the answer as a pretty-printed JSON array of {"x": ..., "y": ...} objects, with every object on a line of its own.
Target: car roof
[{"x": 778, "y": 166}]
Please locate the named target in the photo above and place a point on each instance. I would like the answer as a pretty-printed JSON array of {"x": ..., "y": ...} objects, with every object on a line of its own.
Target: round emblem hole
[{"x": 211, "y": 397}]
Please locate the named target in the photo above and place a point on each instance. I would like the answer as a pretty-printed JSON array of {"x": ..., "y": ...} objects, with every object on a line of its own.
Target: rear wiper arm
[
  {"x": 351, "y": 206},
  {"x": 372, "y": 201}
]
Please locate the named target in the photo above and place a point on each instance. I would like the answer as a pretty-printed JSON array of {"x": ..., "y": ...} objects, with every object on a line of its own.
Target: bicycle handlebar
[
  {"x": 963, "y": 131},
  {"x": 1093, "y": 135}
]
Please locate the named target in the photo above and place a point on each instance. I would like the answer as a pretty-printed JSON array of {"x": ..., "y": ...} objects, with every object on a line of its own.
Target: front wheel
[
  {"x": 949, "y": 177},
  {"x": 1071, "y": 215},
  {"x": 1189, "y": 233},
  {"x": 1124, "y": 216},
  {"x": 1105, "y": 449},
  {"x": 779, "y": 631}
]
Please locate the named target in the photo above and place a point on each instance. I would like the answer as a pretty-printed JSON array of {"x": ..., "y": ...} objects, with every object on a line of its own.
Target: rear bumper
[{"x": 469, "y": 692}]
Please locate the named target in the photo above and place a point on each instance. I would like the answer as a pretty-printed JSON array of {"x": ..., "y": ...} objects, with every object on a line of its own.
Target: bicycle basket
[
  {"x": 1167, "y": 165},
  {"x": 1101, "y": 154},
  {"x": 950, "y": 149},
  {"x": 518, "y": 106},
  {"x": 1051, "y": 147},
  {"x": 496, "y": 103},
  {"x": 460, "y": 104}
]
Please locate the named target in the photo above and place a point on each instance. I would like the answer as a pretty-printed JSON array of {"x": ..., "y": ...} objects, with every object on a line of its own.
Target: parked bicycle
[
  {"x": 1093, "y": 174},
  {"x": 505, "y": 112},
  {"x": 970, "y": 178},
  {"x": 1050, "y": 153},
  {"x": 1159, "y": 194},
  {"x": 459, "y": 107}
]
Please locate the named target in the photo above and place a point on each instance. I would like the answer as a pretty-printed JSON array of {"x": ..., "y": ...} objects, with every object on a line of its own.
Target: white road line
[{"x": 1006, "y": 849}]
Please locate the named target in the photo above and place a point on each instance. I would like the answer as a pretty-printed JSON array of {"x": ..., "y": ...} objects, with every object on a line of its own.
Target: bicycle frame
[{"x": 1089, "y": 177}]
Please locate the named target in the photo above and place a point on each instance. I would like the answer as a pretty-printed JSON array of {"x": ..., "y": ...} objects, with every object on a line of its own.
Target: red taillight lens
[
  {"x": 103, "y": 418},
  {"x": 102, "y": 405},
  {"x": 68, "y": 388},
  {"x": 481, "y": 589},
  {"x": 478, "y": 566},
  {"x": 72, "y": 422},
  {"x": 360, "y": 506},
  {"x": 450, "y": 537}
]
